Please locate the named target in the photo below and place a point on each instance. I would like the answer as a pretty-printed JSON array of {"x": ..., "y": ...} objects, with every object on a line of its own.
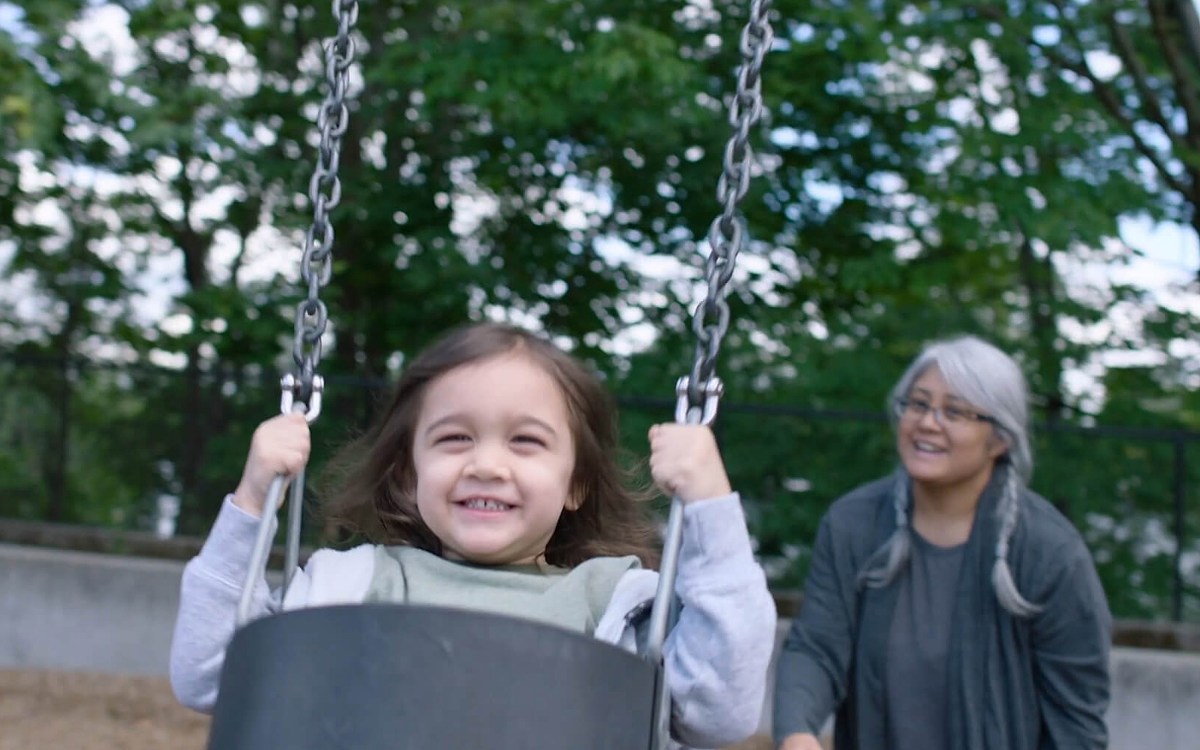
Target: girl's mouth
[{"x": 484, "y": 503}]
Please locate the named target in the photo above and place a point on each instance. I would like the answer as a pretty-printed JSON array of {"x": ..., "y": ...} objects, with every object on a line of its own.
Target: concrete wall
[
  {"x": 86, "y": 611},
  {"x": 107, "y": 613},
  {"x": 1156, "y": 700}
]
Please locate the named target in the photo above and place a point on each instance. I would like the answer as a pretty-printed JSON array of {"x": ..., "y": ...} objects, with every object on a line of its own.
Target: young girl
[{"x": 491, "y": 482}]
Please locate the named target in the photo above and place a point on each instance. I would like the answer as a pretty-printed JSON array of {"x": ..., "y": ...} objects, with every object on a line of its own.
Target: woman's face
[{"x": 943, "y": 441}]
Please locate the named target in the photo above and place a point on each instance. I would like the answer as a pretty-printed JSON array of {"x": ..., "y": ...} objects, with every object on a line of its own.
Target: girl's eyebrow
[{"x": 523, "y": 420}]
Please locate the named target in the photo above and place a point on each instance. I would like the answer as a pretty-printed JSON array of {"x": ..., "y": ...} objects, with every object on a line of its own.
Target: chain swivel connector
[
  {"x": 686, "y": 412},
  {"x": 291, "y": 397}
]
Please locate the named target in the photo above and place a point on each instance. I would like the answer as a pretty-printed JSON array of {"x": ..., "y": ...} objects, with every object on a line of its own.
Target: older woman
[{"x": 947, "y": 606}]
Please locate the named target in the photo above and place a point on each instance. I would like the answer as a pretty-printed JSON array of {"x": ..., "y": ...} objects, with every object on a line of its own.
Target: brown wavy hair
[{"x": 370, "y": 482}]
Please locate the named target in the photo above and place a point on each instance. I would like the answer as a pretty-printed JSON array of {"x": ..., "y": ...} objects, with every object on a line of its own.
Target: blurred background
[{"x": 1026, "y": 170}]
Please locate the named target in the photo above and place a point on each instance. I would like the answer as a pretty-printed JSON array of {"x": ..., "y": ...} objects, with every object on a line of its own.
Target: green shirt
[{"x": 571, "y": 598}]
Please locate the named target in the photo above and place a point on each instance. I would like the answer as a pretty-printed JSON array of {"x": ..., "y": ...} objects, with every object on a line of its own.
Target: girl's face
[
  {"x": 494, "y": 455},
  {"x": 944, "y": 441}
]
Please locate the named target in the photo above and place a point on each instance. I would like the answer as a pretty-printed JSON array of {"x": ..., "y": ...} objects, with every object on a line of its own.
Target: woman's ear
[{"x": 997, "y": 444}]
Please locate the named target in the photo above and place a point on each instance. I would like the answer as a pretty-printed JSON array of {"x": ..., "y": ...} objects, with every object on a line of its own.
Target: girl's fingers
[{"x": 685, "y": 462}]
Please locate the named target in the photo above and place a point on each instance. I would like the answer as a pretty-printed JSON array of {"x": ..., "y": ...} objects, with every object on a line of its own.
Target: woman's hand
[
  {"x": 800, "y": 742},
  {"x": 280, "y": 446},
  {"x": 686, "y": 463}
]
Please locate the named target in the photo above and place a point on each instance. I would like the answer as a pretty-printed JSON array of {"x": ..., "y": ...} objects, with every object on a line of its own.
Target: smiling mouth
[
  {"x": 483, "y": 503},
  {"x": 924, "y": 447}
]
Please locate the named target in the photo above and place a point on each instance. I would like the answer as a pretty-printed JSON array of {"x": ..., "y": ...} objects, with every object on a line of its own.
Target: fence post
[
  {"x": 1180, "y": 492},
  {"x": 58, "y": 472}
]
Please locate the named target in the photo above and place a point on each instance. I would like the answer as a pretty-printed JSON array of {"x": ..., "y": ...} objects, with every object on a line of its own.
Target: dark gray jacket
[{"x": 1014, "y": 684}]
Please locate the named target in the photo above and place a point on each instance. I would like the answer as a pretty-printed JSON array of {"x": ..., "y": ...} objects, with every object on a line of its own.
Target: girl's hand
[
  {"x": 686, "y": 463},
  {"x": 280, "y": 446},
  {"x": 800, "y": 742}
]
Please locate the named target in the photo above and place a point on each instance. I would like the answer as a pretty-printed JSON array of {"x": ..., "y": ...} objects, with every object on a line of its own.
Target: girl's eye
[
  {"x": 529, "y": 440},
  {"x": 451, "y": 437}
]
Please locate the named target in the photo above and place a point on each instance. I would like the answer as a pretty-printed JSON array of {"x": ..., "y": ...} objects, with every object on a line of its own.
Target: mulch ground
[
  {"x": 41, "y": 710},
  {"x": 44, "y": 710}
]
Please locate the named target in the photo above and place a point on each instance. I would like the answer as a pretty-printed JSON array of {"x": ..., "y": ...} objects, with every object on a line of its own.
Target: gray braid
[
  {"x": 1002, "y": 579},
  {"x": 885, "y": 564}
]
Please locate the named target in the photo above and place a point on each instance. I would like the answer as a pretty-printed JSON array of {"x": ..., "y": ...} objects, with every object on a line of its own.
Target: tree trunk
[
  {"x": 1037, "y": 275},
  {"x": 56, "y": 468}
]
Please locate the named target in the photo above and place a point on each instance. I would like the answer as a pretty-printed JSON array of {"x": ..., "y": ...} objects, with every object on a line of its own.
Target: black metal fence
[{"x": 82, "y": 442}]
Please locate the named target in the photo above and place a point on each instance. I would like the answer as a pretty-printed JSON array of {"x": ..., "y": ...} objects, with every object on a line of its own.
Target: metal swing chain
[
  {"x": 727, "y": 234},
  {"x": 302, "y": 391},
  {"x": 698, "y": 394},
  {"x": 324, "y": 193}
]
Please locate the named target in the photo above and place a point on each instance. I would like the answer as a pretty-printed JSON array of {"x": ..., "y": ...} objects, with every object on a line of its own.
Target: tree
[{"x": 924, "y": 169}]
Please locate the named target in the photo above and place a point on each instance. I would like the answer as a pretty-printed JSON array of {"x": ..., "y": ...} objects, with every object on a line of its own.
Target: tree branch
[
  {"x": 1189, "y": 23},
  {"x": 1112, "y": 103},
  {"x": 1141, "y": 77},
  {"x": 1184, "y": 87}
]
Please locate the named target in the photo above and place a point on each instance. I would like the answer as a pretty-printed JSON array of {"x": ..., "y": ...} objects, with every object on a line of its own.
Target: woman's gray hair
[{"x": 989, "y": 379}]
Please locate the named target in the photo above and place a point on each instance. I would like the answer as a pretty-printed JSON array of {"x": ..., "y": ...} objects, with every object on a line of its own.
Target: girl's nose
[{"x": 486, "y": 462}]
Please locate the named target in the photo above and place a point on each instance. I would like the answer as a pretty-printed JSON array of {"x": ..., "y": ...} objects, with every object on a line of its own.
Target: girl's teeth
[{"x": 479, "y": 504}]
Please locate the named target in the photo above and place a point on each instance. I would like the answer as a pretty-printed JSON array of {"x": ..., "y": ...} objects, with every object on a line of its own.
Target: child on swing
[{"x": 491, "y": 483}]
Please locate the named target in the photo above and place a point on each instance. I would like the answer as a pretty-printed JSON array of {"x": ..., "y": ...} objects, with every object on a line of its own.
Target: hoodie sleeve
[
  {"x": 208, "y": 603},
  {"x": 718, "y": 654},
  {"x": 212, "y": 588}
]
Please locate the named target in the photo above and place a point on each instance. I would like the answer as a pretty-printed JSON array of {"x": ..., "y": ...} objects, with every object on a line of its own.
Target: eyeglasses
[{"x": 916, "y": 409}]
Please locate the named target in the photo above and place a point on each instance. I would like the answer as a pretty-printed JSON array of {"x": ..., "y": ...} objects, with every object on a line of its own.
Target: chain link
[
  {"x": 727, "y": 234},
  {"x": 324, "y": 193}
]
